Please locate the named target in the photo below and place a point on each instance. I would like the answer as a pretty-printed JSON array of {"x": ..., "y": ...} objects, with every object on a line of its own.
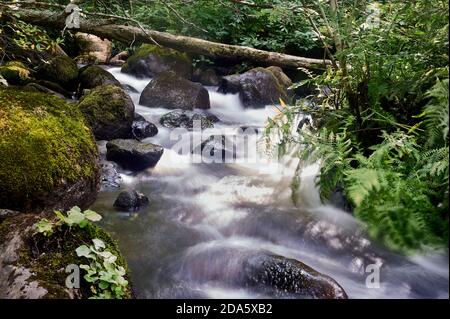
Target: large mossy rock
[
  {"x": 32, "y": 266},
  {"x": 257, "y": 88},
  {"x": 150, "y": 60},
  {"x": 133, "y": 155},
  {"x": 15, "y": 72},
  {"x": 92, "y": 76},
  {"x": 109, "y": 111},
  {"x": 48, "y": 156},
  {"x": 167, "y": 90},
  {"x": 61, "y": 70},
  {"x": 282, "y": 78}
]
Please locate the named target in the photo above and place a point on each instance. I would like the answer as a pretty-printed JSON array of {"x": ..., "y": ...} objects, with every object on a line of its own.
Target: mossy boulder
[
  {"x": 61, "y": 70},
  {"x": 93, "y": 76},
  {"x": 48, "y": 156},
  {"x": 257, "y": 88},
  {"x": 109, "y": 111},
  {"x": 168, "y": 90},
  {"x": 32, "y": 266},
  {"x": 150, "y": 60},
  {"x": 15, "y": 73}
]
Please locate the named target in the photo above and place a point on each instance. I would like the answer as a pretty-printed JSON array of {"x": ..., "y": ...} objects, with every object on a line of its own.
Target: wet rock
[
  {"x": 109, "y": 111},
  {"x": 257, "y": 87},
  {"x": 167, "y": 90},
  {"x": 185, "y": 119},
  {"x": 150, "y": 60},
  {"x": 141, "y": 128},
  {"x": 129, "y": 88},
  {"x": 110, "y": 177},
  {"x": 290, "y": 278},
  {"x": 282, "y": 78},
  {"x": 93, "y": 47},
  {"x": 62, "y": 70},
  {"x": 132, "y": 154},
  {"x": 206, "y": 77},
  {"x": 130, "y": 200},
  {"x": 92, "y": 76}
]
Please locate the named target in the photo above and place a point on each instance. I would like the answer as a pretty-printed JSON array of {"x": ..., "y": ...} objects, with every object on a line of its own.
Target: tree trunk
[{"x": 106, "y": 28}]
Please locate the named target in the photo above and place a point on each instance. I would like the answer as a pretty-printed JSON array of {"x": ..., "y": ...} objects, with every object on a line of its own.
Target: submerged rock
[
  {"x": 49, "y": 159},
  {"x": 141, "y": 128},
  {"x": 130, "y": 200},
  {"x": 290, "y": 277},
  {"x": 110, "y": 176},
  {"x": 93, "y": 76},
  {"x": 257, "y": 87},
  {"x": 150, "y": 60},
  {"x": 168, "y": 90},
  {"x": 185, "y": 119},
  {"x": 62, "y": 70},
  {"x": 132, "y": 154},
  {"x": 109, "y": 111}
]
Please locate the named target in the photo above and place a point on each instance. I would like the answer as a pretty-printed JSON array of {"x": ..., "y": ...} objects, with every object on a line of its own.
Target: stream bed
[{"x": 203, "y": 219}]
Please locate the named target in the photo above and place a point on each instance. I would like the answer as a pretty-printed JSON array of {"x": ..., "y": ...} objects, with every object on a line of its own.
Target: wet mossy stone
[
  {"x": 93, "y": 76},
  {"x": 130, "y": 201},
  {"x": 133, "y": 155},
  {"x": 32, "y": 266},
  {"x": 61, "y": 70},
  {"x": 48, "y": 155},
  {"x": 168, "y": 90},
  {"x": 289, "y": 278},
  {"x": 109, "y": 111},
  {"x": 15, "y": 73},
  {"x": 150, "y": 60},
  {"x": 257, "y": 88}
]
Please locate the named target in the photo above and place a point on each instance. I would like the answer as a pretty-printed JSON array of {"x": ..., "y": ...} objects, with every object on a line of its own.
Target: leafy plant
[
  {"x": 105, "y": 276},
  {"x": 74, "y": 217}
]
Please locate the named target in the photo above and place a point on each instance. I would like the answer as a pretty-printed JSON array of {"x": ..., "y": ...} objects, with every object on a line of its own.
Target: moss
[
  {"x": 93, "y": 76},
  {"x": 147, "y": 49},
  {"x": 43, "y": 141},
  {"x": 62, "y": 70},
  {"x": 109, "y": 111},
  {"x": 15, "y": 72}
]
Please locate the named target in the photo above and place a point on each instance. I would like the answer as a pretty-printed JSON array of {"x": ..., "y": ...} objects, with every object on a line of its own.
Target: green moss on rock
[
  {"x": 150, "y": 60},
  {"x": 61, "y": 70},
  {"x": 48, "y": 157},
  {"x": 109, "y": 110},
  {"x": 16, "y": 73}
]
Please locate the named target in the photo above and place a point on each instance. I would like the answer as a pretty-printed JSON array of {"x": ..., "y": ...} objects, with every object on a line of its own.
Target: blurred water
[{"x": 203, "y": 219}]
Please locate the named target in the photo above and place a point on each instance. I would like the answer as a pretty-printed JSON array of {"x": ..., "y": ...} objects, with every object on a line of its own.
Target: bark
[{"x": 108, "y": 28}]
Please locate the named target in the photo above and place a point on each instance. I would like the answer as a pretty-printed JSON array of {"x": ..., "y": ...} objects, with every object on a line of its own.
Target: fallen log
[{"x": 108, "y": 28}]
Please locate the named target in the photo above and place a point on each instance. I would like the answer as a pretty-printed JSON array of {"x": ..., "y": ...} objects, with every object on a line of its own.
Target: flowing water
[{"x": 204, "y": 218}]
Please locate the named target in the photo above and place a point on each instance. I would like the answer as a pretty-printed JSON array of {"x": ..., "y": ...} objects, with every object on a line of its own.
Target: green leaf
[
  {"x": 83, "y": 251},
  {"x": 98, "y": 243},
  {"x": 92, "y": 216}
]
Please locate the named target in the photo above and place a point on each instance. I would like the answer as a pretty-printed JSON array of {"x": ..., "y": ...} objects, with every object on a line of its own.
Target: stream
[{"x": 203, "y": 218}]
